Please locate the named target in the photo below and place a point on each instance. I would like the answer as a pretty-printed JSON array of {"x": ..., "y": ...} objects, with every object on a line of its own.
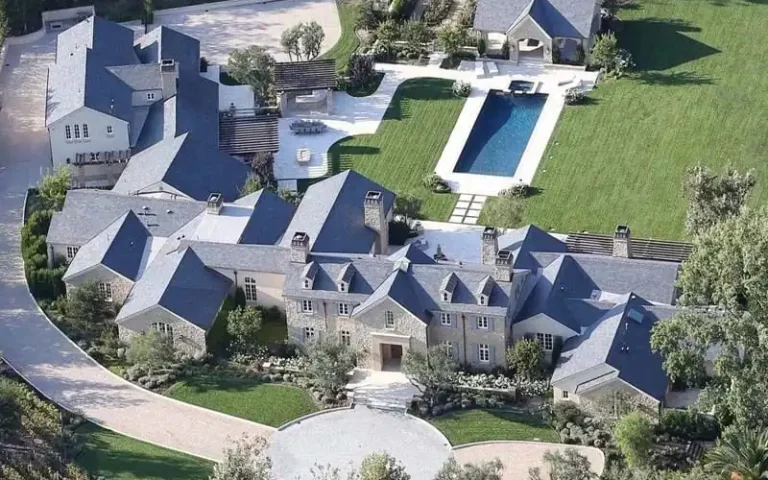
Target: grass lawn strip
[
  {"x": 469, "y": 426},
  {"x": 264, "y": 403},
  {"x": 700, "y": 95},
  {"x": 348, "y": 42},
  {"x": 407, "y": 144},
  {"x": 116, "y": 457}
]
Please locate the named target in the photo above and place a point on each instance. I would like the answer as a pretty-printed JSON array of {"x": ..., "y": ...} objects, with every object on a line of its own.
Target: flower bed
[{"x": 486, "y": 381}]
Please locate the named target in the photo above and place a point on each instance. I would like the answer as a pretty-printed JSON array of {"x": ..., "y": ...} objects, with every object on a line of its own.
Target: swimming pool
[{"x": 500, "y": 134}]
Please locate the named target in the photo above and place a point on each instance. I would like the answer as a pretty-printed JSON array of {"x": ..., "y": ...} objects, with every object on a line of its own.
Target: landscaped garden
[
  {"x": 348, "y": 42},
  {"x": 407, "y": 144},
  {"x": 468, "y": 426}
]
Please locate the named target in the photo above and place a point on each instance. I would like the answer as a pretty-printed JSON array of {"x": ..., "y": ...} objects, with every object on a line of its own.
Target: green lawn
[
  {"x": 700, "y": 94},
  {"x": 113, "y": 456},
  {"x": 273, "y": 332},
  {"x": 407, "y": 144},
  {"x": 348, "y": 42},
  {"x": 468, "y": 426},
  {"x": 264, "y": 403}
]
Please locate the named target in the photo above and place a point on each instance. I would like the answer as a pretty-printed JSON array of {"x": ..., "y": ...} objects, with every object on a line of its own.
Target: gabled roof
[
  {"x": 194, "y": 169},
  {"x": 413, "y": 254},
  {"x": 399, "y": 288},
  {"x": 522, "y": 242},
  {"x": 254, "y": 258},
  {"x": 139, "y": 76},
  {"x": 346, "y": 273},
  {"x": 559, "y": 18},
  {"x": 181, "y": 283},
  {"x": 111, "y": 42},
  {"x": 331, "y": 213},
  {"x": 163, "y": 43},
  {"x": 119, "y": 247},
  {"x": 269, "y": 220},
  {"x": 307, "y": 75}
]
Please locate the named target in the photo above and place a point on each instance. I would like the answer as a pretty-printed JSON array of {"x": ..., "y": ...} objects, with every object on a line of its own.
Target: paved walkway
[
  {"x": 467, "y": 209},
  {"x": 381, "y": 389},
  {"x": 29, "y": 342}
]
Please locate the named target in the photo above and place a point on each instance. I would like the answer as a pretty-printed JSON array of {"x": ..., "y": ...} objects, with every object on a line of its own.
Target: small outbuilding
[{"x": 305, "y": 86}]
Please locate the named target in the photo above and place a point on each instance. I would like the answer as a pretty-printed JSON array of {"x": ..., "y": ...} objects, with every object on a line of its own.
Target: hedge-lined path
[{"x": 43, "y": 355}]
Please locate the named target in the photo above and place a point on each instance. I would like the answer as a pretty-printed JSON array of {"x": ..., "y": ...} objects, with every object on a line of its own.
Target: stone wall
[
  {"x": 187, "y": 337},
  {"x": 465, "y": 337},
  {"x": 121, "y": 286}
]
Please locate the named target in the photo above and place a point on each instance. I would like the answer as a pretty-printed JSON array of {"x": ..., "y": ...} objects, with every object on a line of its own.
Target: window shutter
[
  {"x": 492, "y": 351},
  {"x": 490, "y": 323},
  {"x": 475, "y": 353},
  {"x": 454, "y": 320},
  {"x": 474, "y": 323},
  {"x": 455, "y": 351},
  {"x": 298, "y": 306}
]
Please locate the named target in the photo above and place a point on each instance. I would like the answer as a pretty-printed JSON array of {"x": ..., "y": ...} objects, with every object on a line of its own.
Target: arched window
[
  {"x": 163, "y": 328},
  {"x": 250, "y": 289}
]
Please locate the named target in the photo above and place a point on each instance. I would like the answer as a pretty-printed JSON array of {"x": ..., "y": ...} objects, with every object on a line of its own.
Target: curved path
[{"x": 29, "y": 342}]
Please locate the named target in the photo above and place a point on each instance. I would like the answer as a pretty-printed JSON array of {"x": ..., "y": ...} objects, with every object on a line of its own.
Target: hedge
[{"x": 44, "y": 282}]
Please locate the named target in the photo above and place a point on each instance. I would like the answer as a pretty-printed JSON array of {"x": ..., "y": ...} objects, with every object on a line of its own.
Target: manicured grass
[
  {"x": 407, "y": 144},
  {"x": 468, "y": 426},
  {"x": 700, "y": 94},
  {"x": 113, "y": 456},
  {"x": 273, "y": 332},
  {"x": 260, "y": 402},
  {"x": 348, "y": 42}
]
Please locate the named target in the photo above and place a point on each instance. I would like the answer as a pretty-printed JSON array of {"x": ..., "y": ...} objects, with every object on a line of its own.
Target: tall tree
[
  {"x": 452, "y": 38},
  {"x": 254, "y": 66},
  {"x": 53, "y": 187},
  {"x": 713, "y": 198},
  {"x": 742, "y": 455},
  {"x": 86, "y": 305},
  {"x": 329, "y": 363},
  {"x": 312, "y": 36},
  {"x": 290, "y": 40},
  {"x": 604, "y": 51},
  {"x": 634, "y": 435},
  {"x": 429, "y": 372},
  {"x": 149, "y": 14},
  {"x": 526, "y": 357},
  {"x": 244, "y": 325},
  {"x": 569, "y": 465}
]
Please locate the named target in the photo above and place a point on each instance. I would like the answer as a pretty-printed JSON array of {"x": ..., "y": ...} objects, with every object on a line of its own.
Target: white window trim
[
  {"x": 346, "y": 337},
  {"x": 342, "y": 287},
  {"x": 543, "y": 339},
  {"x": 448, "y": 347},
  {"x": 307, "y": 306},
  {"x": 77, "y": 131},
  {"x": 164, "y": 328},
  {"x": 483, "y": 300},
  {"x": 110, "y": 131},
  {"x": 446, "y": 297},
  {"x": 482, "y": 322},
  {"x": 306, "y": 284},
  {"x": 343, "y": 309},
  {"x": 565, "y": 394},
  {"x": 389, "y": 316},
  {"x": 484, "y": 350},
  {"x": 150, "y": 95},
  {"x": 68, "y": 133},
  {"x": 309, "y": 334},
  {"x": 251, "y": 293},
  {"x": 105, "y": 290},
  {"x": 445, "y": 319},
  {"x": 86, "y": 133},
  {"x": 71, "y": 252}
]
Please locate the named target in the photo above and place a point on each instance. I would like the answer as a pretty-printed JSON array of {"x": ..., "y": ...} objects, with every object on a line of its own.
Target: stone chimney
[
  {"x": 502, "y": 270},
  {"x": 300, "y": 247},
  {"x": 214, "y": 204},
  {"x": 376, "y": 219},
  {"x": 490, "y": 247},
  {"x": 169, "y": 73},
  {"x": 622, "y": 242}
]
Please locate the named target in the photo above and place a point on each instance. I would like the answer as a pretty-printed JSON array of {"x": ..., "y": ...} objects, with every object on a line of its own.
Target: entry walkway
[
  {"x": 467, "y": 209},
  {"x": 389, "y": 390}
]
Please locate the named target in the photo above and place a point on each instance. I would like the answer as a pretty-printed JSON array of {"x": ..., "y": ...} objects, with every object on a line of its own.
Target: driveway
[
  {"x": 29, "y": 342},
  {"x": 342, "y": 438},
  {"x": 223, "y": 29}
]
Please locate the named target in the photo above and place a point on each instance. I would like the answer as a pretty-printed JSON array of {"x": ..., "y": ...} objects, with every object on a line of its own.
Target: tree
[
  {"x": 382, "y": 466},
  {"x": 246, "y": 460},
  {"x": 416, "y": 33},
  {"x": 360, "y": 70},
  {"x": 634, "y": 435},
  {"x": 452, "y": 38},
  {"x": 742, "y": 455},
  {"x": 368, "y": 17},
  {"x": 429, "y": 372},
  {"x": 505, "y": 211},
  {"x": 329, "y": 363},
  {"x": 149, "y": 13},
  {"x": 252, "y": 185},
  {"x": 53, "y": 187},
  {"x": 254, "y": 66},
  {"x": 408, "y": 206},
  {"x": 151, "y": 348},
  {"x": 683, "y": 359},
  {"x": 87, "y": 306},
  {"x": 312, "y": 36},
  {"x": 570, "y": 465},
  {"x": 712, "y": 198},
  {"x": 290, "y": 40},
  {"x": 526, "y": 357},
  {"x": 451, "y": 470},
  {"x": 386, "y": 33},
  {"x": 244, "y": 325},
  {"x": 604, "y": 51}
]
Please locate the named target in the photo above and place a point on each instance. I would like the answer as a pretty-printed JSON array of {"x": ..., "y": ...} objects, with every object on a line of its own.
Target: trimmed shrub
[
  {"x": 564, "y": 413},
  {"x": 434, "y": 183},
  {"x": 574, "y": 96},
  {"x": 461, "y": 89},
  {"x": 481, "y": 47},
  {"x": 690, "y": 425}
]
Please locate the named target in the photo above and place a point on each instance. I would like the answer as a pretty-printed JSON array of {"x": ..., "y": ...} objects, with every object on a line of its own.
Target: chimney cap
[
  {"x": 622, "y": 231},
  {"x": 490, "y": 233},
  {"x": 504, "y": 257},
  {"x": 214, "y": 199},
  {"x": 300, "y": 239},
  {"x": 167, "y": 62},
  {"x": 373, "y": 196}
]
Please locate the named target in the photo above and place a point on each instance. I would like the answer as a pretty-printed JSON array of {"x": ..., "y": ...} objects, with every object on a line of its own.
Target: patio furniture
[
  {"x": 493, "y": 69},
  {"x": 303, "y": 155},
  {"x": 479, "y": 70},
  {"x": 307, "y": 126}
]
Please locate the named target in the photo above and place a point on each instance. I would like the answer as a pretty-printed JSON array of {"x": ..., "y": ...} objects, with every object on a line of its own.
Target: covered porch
[{"x": 304, "y": 87}]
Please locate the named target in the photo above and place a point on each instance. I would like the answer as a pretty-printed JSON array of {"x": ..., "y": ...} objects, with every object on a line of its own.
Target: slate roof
[
  {"x": 111, "y": 42},
  {"x": 621, "y": 345},
  {"x": 164, "y": 43},
  {"x": 308, "y": 75},
  {"x": 332, "y": 214},
  {"x": 398, "y": 287},
  {"x": 186, "y": 164},
  {"x": 119, "y": 247},
  {"x": 413, "y": 255},
  {"x": 523, "y": 242},
  {"x": 270, "y": 218},
  {"x": 259, "y": 258},
  {"x": 139, "y": 76},
  {"x": 559, "y": 18},
  {"x": 181, "y": 283}
]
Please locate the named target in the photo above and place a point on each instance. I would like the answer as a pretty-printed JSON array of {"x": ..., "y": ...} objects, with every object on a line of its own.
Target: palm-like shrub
[{"x": 742, "y": 455}]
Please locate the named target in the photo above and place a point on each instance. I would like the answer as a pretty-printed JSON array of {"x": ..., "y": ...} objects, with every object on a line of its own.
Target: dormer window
[
  {"x": 344, "y": 278},
  {"x": 446, "y": 297},
  {"x": 447, "y": 287},
  {"x": 484, "y": 290},
  {"x": 483, "y": 300},
  {"x": 342, "y": 287},
  {"x": 307, "y": 285},
  {"x": 308, "y": 276}
]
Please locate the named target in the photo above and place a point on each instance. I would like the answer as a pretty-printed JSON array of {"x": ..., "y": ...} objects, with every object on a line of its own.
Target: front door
[{"x": 391, "y": 356}]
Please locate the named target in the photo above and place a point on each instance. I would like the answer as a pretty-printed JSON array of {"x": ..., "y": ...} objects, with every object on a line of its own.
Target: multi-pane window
[
  {"x": 565, "y": 393},
  {"x": 150, "y": 96},
  {"x": 250, "y": 289},
  {"x": 546, "y": 340},
  {"x": 343, "y": 309},
  {"x": 85, "y": 130},
  {"x": 77, "y": 131},
  {"x": 105, "y": 290},
  {"x": 484, "y": 353},
  {"x": 445, "y": 319},
  {"x": 342, "y": 287},
  {"x": 68, "y": 132},
  {"x": 71, "y": 252},
  {"x": 482, "y": 322},
  {"x": 109, "y": 130},
  {"x": 446, "y": 297},
  {"x": 448, "y": 347},
  {"x": 307, "y": 284},
  {"x": 163, "y": 328},
  {"x": 306, "y": 306},
  {"x": 309, "y": 334},
  {"x": 389, "y": 320},
  {"x": 346, "y": 338},
  {"x": 483, "y": 300}
]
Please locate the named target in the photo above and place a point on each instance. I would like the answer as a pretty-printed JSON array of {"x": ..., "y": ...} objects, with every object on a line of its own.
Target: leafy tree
[
  {"x": 430, "y": 373},
  {"x": 53, "y": 187},
  {"x": 329, "y": 363},
  {"x": 149, "y": 13},
  {"x": 246, "y": 460},
  {"x": 451, "y": 470},
  {"x": 570, "y": 465},
  {"x": 416, "y": 33},
  {"x": 290, "y": 196},
  {"x": 368, "y": 16},
  {"x": 382, "y": 466},
  {"x": 505, "y": 211},
  {"x": 152, "y": 348},
  {"x": 408, "y": 206},
  {"x": 386, "y": 33},
  {"x": 742, "y": 455},
  {"x": 312, "y": 36},
  {"x": 87, "y": 307},
  {"x": 713, "y": 198},
  {"x": 360, "y": 70},
  {"x": 244, "y": 325},
  {"x": 254, "y": 66},
  {"x": 452, "y": 38},
  {"x": 634, "y": 435},
  {"x": 290, "y": 40},
  {"x": 605, "y": 50},
  {"x": 683, "y": 358},
  {"x": 526, "y": 357},
  {"x": 252, "y": 185}
]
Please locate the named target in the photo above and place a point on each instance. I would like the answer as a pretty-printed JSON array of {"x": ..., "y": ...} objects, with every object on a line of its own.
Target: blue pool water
[{"x": 500, "y": 134}]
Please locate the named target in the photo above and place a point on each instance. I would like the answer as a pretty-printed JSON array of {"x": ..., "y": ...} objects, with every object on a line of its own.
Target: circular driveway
[{"x": 343, "y": 438}]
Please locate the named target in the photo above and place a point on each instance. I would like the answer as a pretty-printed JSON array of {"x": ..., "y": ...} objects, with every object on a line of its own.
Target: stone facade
[
  {"x": 466, "y": 337},
  {"x": 120, "y": 285},
  {"x": 187, "y": 338}
]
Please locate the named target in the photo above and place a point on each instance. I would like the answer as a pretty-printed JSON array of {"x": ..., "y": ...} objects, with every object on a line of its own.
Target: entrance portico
[{"x": 388, "y": 351}]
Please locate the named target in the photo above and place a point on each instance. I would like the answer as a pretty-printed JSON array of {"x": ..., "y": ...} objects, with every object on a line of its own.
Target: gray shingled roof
[
  {"x": 413, "y": 254},
  {"x": 331, "y": 213},
  {"x": 255, "y": 258},
  {"x": 181, "y": 283},
  {"x": 119, "y": 247},
  {"x": 111, "y": 42},
  {"x": 522, "y": 242},
  {"x": 559, "y": 18},
  {"x": 398, "y": 287},
  {"x": 164, "y": 43},
  {"x": 139, "y": 76},
  {"x": 270, "y": 218}
]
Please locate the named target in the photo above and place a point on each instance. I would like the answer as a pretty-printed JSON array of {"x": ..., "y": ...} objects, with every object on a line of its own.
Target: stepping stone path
[{"x": 467, "y": 209}]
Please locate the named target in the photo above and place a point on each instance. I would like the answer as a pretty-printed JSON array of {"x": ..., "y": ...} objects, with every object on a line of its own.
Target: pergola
[{"x": 305, "y": 86}]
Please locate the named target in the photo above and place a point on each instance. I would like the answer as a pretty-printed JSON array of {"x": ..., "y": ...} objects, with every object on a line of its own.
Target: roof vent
[
  {"x": 595, "y": 295},
  {"x": 635, "y": 315},
  {"x": 214, "y": 204},
  {"x": 168, "y": 65}
]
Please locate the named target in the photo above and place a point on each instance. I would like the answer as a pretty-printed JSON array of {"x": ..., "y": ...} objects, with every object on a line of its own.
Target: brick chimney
[
  {"x": 169, "y": 74},
  {"x": 300, "y": 247},
  {"x": 502, "y": 270},
  {"x": 622, "y": 242},
  {"x": 214, "y": 204},
  {"x": 376, "y": 219},
  {"x": 490, "y": 246}
]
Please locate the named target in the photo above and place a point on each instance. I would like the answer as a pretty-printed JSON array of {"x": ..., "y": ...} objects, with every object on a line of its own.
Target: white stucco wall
[{"x": 99, "y": 141}]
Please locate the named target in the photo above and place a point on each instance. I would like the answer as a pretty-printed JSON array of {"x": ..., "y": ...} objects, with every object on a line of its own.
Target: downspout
[
  {"x": 236, "y": 285},
  {"x": 464, "y": 335}
]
